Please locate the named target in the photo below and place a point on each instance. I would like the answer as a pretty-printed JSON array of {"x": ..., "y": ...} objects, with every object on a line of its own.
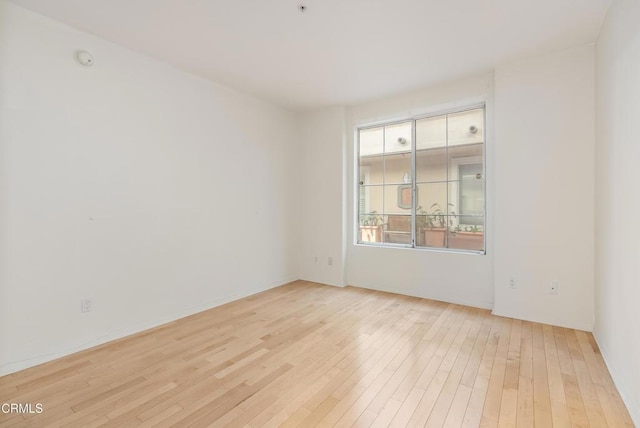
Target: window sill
[{"x": 422, "y": 249}]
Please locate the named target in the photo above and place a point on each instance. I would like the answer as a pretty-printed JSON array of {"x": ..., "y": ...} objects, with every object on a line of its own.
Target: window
[{"x": 421, "y": 182}]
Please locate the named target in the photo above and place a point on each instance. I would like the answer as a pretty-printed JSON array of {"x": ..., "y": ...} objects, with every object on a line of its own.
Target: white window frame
[{"x": 458, "y": 161}]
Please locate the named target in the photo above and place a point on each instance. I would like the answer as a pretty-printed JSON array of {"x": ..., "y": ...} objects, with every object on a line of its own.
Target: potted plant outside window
[
  {"x": 467, "y": 237},
  {"x": 371, "y": 227},
  {"x": 435, "y": 225}
]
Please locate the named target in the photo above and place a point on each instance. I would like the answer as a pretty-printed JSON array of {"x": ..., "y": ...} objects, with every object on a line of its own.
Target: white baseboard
[
  {"x": 463, "y": 302},
  {"x": 574, "y": 326}
]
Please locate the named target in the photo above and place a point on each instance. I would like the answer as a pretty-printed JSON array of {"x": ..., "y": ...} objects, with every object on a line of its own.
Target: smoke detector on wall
[{"x": 83, "y": 58}]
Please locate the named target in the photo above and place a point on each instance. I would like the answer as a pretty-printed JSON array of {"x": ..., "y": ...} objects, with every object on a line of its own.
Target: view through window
[{"x": 422, "y": 182}]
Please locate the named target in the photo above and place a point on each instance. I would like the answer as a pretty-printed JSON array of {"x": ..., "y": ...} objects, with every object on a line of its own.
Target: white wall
[
  {"x": 158, "y": 194},
  {"x": 459, "y": 278},
  {"x": 322, "y": 208},
  {"x": 152, "y": 192},
  {"x": 544, "y": 167},
  {"x": 618, "y": 199}
]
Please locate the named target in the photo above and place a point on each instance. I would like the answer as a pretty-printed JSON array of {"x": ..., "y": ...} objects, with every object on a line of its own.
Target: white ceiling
[{"x": 338, "y": 51}]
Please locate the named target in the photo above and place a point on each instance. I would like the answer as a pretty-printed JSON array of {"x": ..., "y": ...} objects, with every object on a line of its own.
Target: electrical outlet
[
  {"x": 85, "y": 305},
  {"x": 316, "y": 259},
  {"x": 554, "y": 287},
  {"x": 513, "y": 283},
  {"x": 330, "y": 261}
]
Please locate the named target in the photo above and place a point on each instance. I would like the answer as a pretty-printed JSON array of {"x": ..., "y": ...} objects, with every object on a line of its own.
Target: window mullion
[
  {"x": 384, "y": 184},
  {"x": 413, "y": 184},
  {"x": 359, "y": 189},
  {"x": 447, "y": 180}
]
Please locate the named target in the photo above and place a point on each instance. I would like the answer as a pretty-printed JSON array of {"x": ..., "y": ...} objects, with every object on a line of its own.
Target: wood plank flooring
[{"x": 306, "y": 355}]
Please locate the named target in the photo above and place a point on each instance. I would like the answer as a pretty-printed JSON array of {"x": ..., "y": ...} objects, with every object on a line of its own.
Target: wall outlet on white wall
[
  {"x": 330, "y": 261},
  {"x": 554, "y": 287},
  {"x": 85, "y": 305},
  {"x": 513, "y": 283}
]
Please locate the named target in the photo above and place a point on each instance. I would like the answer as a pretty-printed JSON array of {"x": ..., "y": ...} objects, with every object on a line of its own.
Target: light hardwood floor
[{"x": 307, "y": 355}]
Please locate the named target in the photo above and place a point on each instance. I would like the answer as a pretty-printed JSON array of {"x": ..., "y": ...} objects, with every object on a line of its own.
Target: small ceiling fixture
[{"x": 83, "y": 58}]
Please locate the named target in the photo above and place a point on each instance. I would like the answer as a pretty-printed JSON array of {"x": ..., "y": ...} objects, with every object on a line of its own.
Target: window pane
[
  {"x": 371, "y": 200},
  {"x": 431, "y": 215},
  {"x": 397, "y": 229},
  {"x": 432, "y": 202},
  {"x": 431, "y": 165},
  {"x": 431, "y": 132},
  {"x": 471, "y": 191},
  {"x": 371, "y": 219},
  {"x": 397, "y": 199},
  {"x": 371, "y": 141},
  {"x": 465, "y": 127},
  {"x": 370, "y": 228},
  {"x": 371, "y": 169},
  {"x": 427, "y": 236},
  {"x": 466, "y": 196},
  {"x": 397, "y": 138},
  {"x": 469, "y": 237},
  {"x": 397, "y": 169},
  {"x": 461, "y": 155}
]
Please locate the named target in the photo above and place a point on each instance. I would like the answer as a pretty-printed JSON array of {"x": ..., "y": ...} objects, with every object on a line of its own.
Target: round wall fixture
[
  {"x": 83, "y": 58},
  {"x": 473, "y": 129}
]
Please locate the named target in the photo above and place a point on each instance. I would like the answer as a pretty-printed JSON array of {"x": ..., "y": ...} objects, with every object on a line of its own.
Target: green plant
[
  {"x": 470, "y": 229},
  {"x": 436, "y": 217},
  {"x": 371, "y": 219}
]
